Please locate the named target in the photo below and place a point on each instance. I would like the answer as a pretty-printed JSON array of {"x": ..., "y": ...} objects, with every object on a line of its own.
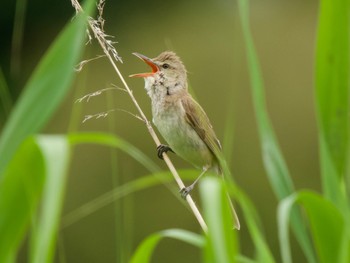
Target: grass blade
[
  {"x": 116, "y": 142},
  {"x": 274, "y": 163},
  {"x": 263, "y": 253},
  {"x": 45, "y": 89},
  {"x": 332, "y": 92},
  {"x": 17, "y": 38},
  {"x": 142, "y": 183},
  {"x": 221, "y": 245},
  {"x": 111, "y": 196},
  {"x": 56, "y": 153},
  {"x": 326, "y": 222},
  {"x": 20, "y": 190},
  {"x": 5, "y": 97},
  {"x": 145, "y": 250}
]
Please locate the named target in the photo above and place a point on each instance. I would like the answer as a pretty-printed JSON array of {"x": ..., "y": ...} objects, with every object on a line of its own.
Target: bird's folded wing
[{"x": 199, "y": 121}]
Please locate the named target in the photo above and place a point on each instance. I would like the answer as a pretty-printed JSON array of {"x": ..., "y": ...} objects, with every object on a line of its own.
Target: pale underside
[{"x": 175, "y": 127}]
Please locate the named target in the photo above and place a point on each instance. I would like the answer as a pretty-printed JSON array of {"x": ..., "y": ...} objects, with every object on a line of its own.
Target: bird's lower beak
[{"x": 149, "y": 61}]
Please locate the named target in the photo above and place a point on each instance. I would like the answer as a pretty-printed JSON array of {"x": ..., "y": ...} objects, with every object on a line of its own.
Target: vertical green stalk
[
  {"x": 5, "y": 96},
  {"x": 273, "y": 160},
  {"x": 116, "y": 182},
  {"x": 56, "y": 152},
  {"x": 332, "y": 94},
  {"x": 17, "y": 38},
  {"x": 228, "y": 140}
]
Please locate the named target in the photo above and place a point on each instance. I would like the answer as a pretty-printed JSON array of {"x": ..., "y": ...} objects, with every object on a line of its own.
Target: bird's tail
[{"x": 237, "y": 224}]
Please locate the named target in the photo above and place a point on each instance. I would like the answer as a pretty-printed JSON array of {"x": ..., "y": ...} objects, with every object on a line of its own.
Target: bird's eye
[{"x": 165, "y": 66}]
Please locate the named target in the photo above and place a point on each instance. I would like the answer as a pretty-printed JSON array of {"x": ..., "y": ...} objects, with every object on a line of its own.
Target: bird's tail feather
[{"x": 237, "y": 224}]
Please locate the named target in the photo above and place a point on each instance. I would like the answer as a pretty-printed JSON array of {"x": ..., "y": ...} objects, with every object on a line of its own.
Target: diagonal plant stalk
[{"x": 113, "y": 57}]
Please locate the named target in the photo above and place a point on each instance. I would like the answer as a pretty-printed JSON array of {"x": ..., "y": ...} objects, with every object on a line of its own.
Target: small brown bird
[{"x": 179, "y": 118}]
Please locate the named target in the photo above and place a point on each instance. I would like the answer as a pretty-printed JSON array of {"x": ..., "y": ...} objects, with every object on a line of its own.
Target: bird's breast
[{"x": 170, "y": 120}]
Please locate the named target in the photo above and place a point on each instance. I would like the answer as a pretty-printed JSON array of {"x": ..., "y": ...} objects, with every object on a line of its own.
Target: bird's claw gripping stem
[
  {"x": 163, "y": 149},
  {"x": 186, "y": 190}
]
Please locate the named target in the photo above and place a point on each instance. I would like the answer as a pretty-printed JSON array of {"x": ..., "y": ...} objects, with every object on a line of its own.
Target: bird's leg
[
  {"x": 186, "y": 190},
  {"x": 162, "y": 148}
]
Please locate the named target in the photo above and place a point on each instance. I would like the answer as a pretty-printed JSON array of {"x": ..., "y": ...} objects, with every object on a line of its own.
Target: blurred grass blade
[
  {"x": 5, "y": 97},
  {"x": 242, "y": 259},
  {"x": 17, "y": 38},
  {"x": 107, "y": 198},
  {"x": 20, "y": 190},
  {"x": 145, "y": 250},
  {"x": 328, "y": 227},
  {"x": 116, "y": 142},
  {"x": 119, "y": 143},
  {"x": 274, "y": 163},
  {"x": 228, "y": 140},
  {"x": 221, "y": 245},
  {"x": 332, "y": 91},
  {"x": 263, "y": 253},
  {"x": 46, "y": 87},
  {"x": 142, "y": 183},
  {"x": 56, "y": 152}
]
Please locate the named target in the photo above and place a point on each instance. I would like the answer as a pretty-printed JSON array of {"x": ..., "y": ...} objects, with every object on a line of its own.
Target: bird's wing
[{"x": 199, "y": 121}]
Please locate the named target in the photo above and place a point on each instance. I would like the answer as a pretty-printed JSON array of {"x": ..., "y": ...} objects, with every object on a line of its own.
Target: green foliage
[
  {"x": 145, "y": 182},
  {"x": 43, "y": 239},
  {"x": 251, "y": 220},
  {"x": 221, "y": 244},
  {"x": 332, "y": 82},
  {"x": 332, "y": 94},
  {"x": 327, "y": 224},
  {"x": 28, "y": 167},
  {"x": 19, "y": 196},
  {"x": 115, "y": 142},
  {"x": 274, "y": 163},
  {"x": 5, "y": 98},
  {"x": 45, "y": 89},
  {"x": 327, "y": 215},
  {"x": 144, "y": 251}
]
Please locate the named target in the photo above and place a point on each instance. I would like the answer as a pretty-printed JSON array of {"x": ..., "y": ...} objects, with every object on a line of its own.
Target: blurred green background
[{"x": 207, "y": 36}]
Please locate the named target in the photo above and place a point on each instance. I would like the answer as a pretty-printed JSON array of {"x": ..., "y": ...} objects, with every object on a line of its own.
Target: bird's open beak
[{"x": 149, "y": 61}]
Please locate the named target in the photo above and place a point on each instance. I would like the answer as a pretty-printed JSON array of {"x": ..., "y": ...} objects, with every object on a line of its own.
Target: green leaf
[
  {"x": 327, "y": 226},
  {"x": 332, "y": 82},
  {"x": 146, "y": 248},
  {"x": 275, "y": 165},
  {"x": 45, "y": 89},
  {"x": 107, "y": 198},
  {"x": 273, "y": 160},
  {"x": 117, "y": 142},
  {"x": 251, "y": 220},
  {"x": 20, "y": 190},
  {"x": 128, "y": 188},
  {"x": 5, "y": 97},
  {"x": 221, "y": 245},
  {"x": 56, "y": 152},
  {"x": 242, "y": 259}
]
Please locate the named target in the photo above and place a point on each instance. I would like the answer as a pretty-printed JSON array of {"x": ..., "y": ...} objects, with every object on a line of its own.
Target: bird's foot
[
  {"x": 186, "y": 190},
  {"x": 163, "y": 149}
]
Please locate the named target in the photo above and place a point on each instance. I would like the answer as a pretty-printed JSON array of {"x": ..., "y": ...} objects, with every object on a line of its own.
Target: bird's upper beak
[{"x": 149, "y": 61}]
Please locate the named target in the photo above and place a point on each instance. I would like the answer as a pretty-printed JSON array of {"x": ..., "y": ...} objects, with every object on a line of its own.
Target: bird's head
[{"x": 167, "y": 70}]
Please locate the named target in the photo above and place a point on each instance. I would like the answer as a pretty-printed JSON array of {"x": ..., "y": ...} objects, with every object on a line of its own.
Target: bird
[{"x": 180, "y": 120}]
